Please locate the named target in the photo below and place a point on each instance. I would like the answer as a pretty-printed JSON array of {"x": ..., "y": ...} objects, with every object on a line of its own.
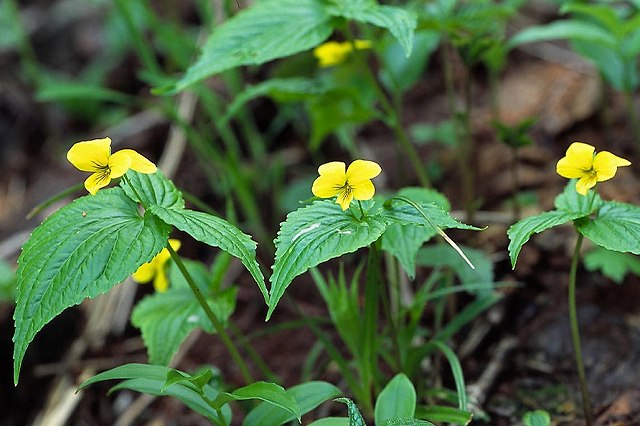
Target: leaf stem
[
  {"x": 575, "y": 334},
  {"x": 217, "y": 324}
]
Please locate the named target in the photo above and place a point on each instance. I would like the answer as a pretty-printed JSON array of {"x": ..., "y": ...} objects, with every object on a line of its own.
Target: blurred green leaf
[
  {"x": 564, "y": 29},
  {"x": 612, "y": 264},
  {"x": 536, "y": 418},
  {"x": 444, "y": 414},
  {"x": 7, "y": 282}
]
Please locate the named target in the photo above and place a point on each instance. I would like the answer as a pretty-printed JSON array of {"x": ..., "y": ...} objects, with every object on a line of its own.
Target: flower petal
[
  {"x": 332, "y": 53},
  {"x": 175, "y": 244},
  {"x": 577, "y": 161},
  {"x": 361, "y": 170},
  {"x": 606, "y": 164},
  {"x": 585, "y": 183},
  {"x": 344, "y": 198},
  {"x": 145, "y": 273},
  {"x": 332, "y": 178},
  {"x": 97, "y": 180},
  {"x": 363, "y": 190},
  {"x": 90, "y": 156},
  {"x": 139, "y": 162},
  {"x": 160, "y": 283},
  {"x": 119, "y": 163}
]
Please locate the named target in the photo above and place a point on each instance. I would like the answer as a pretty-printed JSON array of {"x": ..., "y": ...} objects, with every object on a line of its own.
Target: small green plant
[{"x": 608, "y": 224}]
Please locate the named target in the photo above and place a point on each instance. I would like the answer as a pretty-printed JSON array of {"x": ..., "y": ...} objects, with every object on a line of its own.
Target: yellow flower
[
  {"x": 580, "y": 163},
  {"x": 354, "y": 183},
  {"x": 333, "y": 53},
  {"x": 155, "y": 269},
  {"x": 95, "y": 156}
]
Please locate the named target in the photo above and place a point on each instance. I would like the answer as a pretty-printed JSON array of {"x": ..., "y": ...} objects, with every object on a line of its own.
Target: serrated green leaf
[
  {"x": 404, "y": 214},
  {"x": 355, "y": 418},
  {"x": 151, "y": 379},
  {"x": 267, "y": 30},
  {"x": 561, "y": 30},
  {"x": 215, "y": 232},
  {"x": 616, "y": 227},
  {"x": 314, "y": 234},
  {"x": 264, "y": 391},
  {"x": 166, "y": 319},
  {"x": 399, "y": 22},
  {"x": 444, "y": 414},
  {"x": 612, "y": 264},
  {"x": 152, "y": 189},
  {"x": 82, "y": 250},
  {"x": 520, "y": 232},
  {"x": 396, "y": 401},
  {"x": 404, "y": 241},
  {"x": 308, "y": 395},
  {"x": 570, "y": 201},
  {"x": 536, "y": 418}
]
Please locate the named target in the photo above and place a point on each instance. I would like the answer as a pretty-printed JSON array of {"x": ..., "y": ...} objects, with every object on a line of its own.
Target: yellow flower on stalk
[
  {"x": 155, "y": 270},
  {"x": 580, "y": 163},
  {"x": 95, "y": 156},
  {"x": 333, "y": 52},
  {"x": 355, "y": 182}
]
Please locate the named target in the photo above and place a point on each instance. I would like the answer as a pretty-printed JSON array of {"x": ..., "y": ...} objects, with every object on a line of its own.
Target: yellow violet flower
[
  {"x": 580, "y": 163},
  {"x": 354, "y": 183},
  {"x": 155, "y": 270},
  {"x": 95, "y": 156},
  {"x": 333, "y": 52}
]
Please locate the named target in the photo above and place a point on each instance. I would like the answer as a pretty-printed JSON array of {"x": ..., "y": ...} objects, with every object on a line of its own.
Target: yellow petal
[
  {"x": 332, "y": 178},
  {"x": 97, "y": 180},
  {"x": 145, "y": 273},
  {"x": 363, "y": 190},
  {"x": 344, "y": 199},
  {"x": 363, "y": 44},
  {"x": 160, "y": 283},
  {"x": 119, "y": 163},
  {"x": 577, "y": 161},
  {"x": 331, "y": 53},
  {"x": 361, "y": 170},
  {"x": 585, "y": 183},
  {"x": 606, "y": 164},
  {"x": 139, "y": 163},
  {"x": 90, "y": 156},
  {"x": 175, "y": 244}
]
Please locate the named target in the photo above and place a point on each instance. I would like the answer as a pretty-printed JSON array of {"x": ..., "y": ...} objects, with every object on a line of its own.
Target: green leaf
[
  {"x": 60, "y": 90},
  {"x": 166, "y": 319},
  {"x": 572, "y": 202},
  {"x": 404, "y": 241},
  {"x": 396, "y": 400},
  {"x": 151, "y": 379},
  {"x": 616, "y": 227},
  {"x": 441, "y": 255},
  {"x": 355, "y": 418},
  {"x": 331, "y": 421},
  {"x": 399, "y": 212},
  {"x": 82, "y": 250},
  {"x": 399, "y": 22},
  {"x": 401, "y": 71},
  {"x": 444, "y": 414},
  {"x": 280, "y": 89},
  {"x": 267, "y": 30},
  {"x": 215, "y": 232},
  {"x": 536, "y": 418},
  {"x": 612, "y": 264},
  {"x": 406, "y": 422},
  {"x": 198, "y": 380},
  {"x": 152, "y": 189},
  {"x": 520, "y": 232},
  {"x": 561, "y": 30},
  {"x": 269, "y": 392},
  {"x": 7, "y": 282},
  {"x": 314, "y": 234},
  {"x": 308, "y": 395}
]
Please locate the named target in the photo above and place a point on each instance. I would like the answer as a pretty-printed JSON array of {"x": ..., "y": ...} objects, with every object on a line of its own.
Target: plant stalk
[
  {"x": 217, "y": 324},
  {"x": 575, "y": 334}
]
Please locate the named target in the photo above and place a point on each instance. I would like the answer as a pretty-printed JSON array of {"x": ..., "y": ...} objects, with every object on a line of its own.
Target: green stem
[
  {"x": 515, "y": 179},
  {"x": 575, "y": 334},
  {"x": 60, "y": 195},
  {"x": 217, "y": 324},
  {"x": 394, "y": 119}
]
